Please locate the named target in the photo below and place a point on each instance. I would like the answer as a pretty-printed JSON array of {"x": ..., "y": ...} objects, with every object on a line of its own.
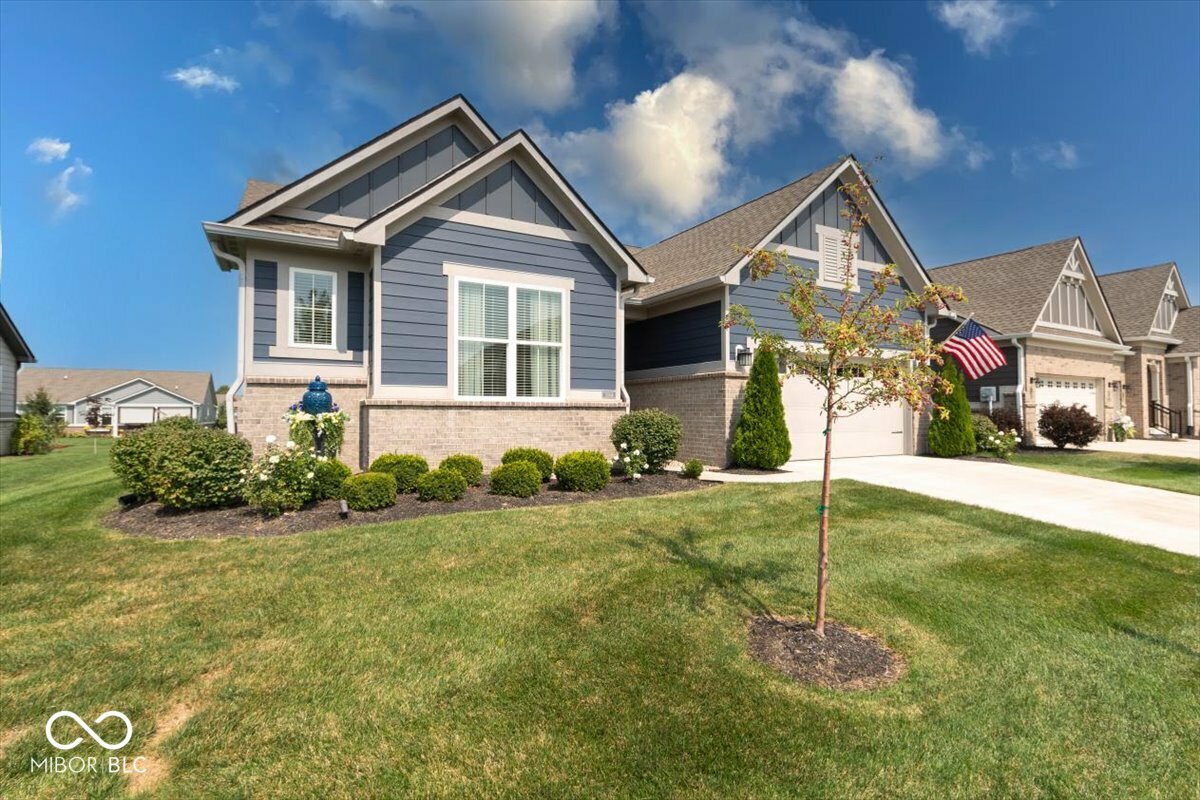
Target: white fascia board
[
  {"x": 284, "y": 197},
  {"x": 1092, "y": 289},
  {"x": 280, "y": 237}
]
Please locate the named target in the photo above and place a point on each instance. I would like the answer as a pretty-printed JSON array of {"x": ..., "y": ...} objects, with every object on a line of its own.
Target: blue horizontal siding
[
  {"x": 265, "y": 325},
  {"x": 689, "y": 336},
  {"x": 415, "y": 293},
  {"x": 266, "y": 284}
]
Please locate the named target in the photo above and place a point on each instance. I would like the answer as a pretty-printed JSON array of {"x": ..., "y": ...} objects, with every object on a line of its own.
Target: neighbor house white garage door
[
  {"x": 1068, "y": 391},
  {"x": 135, "y": 416},
  {"x": 872, "y": 432},
  {"x": 174, "y": 411}
]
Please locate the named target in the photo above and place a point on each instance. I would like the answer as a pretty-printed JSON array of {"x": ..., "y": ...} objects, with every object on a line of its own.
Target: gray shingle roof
[
  {"x": 287, "y": 225},
  {"x": 1006, "y": 292},
  {"x": 1187, "y": 328},
  {"x": 65, "y": 384},
  {"x": 709, "y": 249},
  {"x": 256, "y": 190},
  {"x": 1133, "y": 296}
]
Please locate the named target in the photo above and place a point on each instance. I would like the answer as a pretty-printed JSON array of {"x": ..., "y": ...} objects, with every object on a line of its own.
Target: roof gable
[
  {"x": 1134, "y": 295},
  {"x": 65, "y": 385},
  {"x": 13, "y": 339},
  {"x": 1187, "y": 330}
]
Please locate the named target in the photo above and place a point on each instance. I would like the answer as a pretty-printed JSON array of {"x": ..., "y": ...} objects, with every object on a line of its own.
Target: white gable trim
[
  {"x": 150, "y": 386},
  {"x": 504, "y": 224},
  {"x": 908, "y": 266},
  {"x": 519, "y": 148},
  {"x": 1091, "y": 290},
  {"x": 476, "y": 129},
  {"x": 154, "y": 388}
]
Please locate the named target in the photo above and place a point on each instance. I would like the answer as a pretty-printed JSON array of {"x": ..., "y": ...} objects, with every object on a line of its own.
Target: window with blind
[
  {"x": 314, "y": 300},
  {"x": 835, "y": 268},
  {"x": 510, "y": 341}
]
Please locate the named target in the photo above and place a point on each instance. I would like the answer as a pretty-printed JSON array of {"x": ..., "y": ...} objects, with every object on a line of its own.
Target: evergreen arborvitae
[
  {"x": 760, "y": 440},
  {"x": 954, "y": 435}
]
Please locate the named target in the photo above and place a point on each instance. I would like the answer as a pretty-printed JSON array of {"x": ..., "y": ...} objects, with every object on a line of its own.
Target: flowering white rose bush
[
  {"x": 1001, "y": 444},
  {"x": 630, "y": 461},
  {"x": 280, "y": 480}
]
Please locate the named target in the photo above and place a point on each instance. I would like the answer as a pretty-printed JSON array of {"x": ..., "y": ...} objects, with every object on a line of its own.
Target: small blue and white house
[{"x": 451, "y": 288}]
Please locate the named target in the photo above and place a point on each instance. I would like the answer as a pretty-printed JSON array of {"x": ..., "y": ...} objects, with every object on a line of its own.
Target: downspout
[
  {"x": 1189, "y": 374},
  {"x": 622, "y": 296},
  {"x": 240, "y": 379}
]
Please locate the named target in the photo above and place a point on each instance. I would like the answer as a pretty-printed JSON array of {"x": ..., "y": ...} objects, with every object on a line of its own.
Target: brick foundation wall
[
  {"x": 259, "y": 410},
  {"x": 438, "y": 429},
  {"x": 1042, "y": 361},
  {"x": 707, "y": 406}
]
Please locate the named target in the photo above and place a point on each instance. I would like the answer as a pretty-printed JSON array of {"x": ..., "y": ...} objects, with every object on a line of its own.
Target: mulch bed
[
  {"x": 152, "y": 520},
  {"x": 845, "y": 659}
]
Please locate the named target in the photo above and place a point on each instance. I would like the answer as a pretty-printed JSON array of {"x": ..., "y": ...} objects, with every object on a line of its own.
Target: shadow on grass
[
  {"x": 1158, "y": 641},
  {"x": 718, "y": 574}
]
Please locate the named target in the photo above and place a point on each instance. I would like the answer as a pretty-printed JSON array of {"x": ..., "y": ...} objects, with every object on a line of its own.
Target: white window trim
[
  {"x": 823, "y": 232},
  {"x": 333, "y": 315},
  {"x": 1173, "y": 296},
  {"x": 511, "y": 280}
]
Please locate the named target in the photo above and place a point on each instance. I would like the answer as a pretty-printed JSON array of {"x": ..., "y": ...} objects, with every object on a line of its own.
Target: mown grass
[
  {"x": 1158, "y": 472},
  {"x": 596, "y": 650}
]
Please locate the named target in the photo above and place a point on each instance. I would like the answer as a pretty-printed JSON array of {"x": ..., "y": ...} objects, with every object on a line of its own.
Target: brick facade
[
  {"x": 258, "y": 412},
  {"x": 437, "y": 429},
  {"x": 707, "y": 405},
  {"x": 1044, "y": 361},
  {"x": 1177, "y": 393}
]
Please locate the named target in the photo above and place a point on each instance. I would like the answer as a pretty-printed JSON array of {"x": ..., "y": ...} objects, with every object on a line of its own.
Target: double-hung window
[
  {"x": 509, "y": 340},
  {"x": 314, "y": 308}
]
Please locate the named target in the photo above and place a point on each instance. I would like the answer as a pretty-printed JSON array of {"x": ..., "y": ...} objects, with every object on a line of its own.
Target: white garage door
[
  {"x": 1067, "y": 391},
  {"x": 135, "y": 416},
  {"x": 871, "y": 432},
  {"x": 177, "y": 411}
]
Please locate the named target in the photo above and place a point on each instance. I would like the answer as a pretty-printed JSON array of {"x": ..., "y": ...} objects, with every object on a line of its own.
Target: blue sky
[{"x": 123, "y": 126}]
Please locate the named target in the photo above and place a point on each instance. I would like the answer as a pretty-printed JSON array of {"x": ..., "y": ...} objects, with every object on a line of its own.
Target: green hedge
[
  {"x": 656, "y": 433},
  {"x": 760, "y": 440},
  {"x": 443, "y": 485},
  {"x": 539, "y": 458},
  {"x": 469, "y": 467},
  {"x": 516, "y": 479},
  {"x": 404, "y": 468},
  {"x": 369, "y": 491},
  {"x": 582, "y": 471},
  {"x": 327, "y": 485},
  {"x": 182, "y": 465}
]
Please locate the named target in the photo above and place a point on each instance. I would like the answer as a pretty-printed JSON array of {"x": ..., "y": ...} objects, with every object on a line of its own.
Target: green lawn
[
  {"x": 594, "y": 650},
  {"x": 1158, "y": 472}
]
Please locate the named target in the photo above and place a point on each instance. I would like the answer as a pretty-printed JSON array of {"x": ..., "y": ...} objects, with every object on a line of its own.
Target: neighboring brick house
[
  {"x": 1183, "y": 368},
  {"x": 679, "y": 358},
  {"x": 14, "y": 352},
  {"x": 1148, "y": 304},
  {"x": 453, "y": 290},
  {"x": 1045, "y": 308}
]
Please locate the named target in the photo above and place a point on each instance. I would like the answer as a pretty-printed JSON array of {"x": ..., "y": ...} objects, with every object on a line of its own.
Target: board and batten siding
[
  {"x": 827, "y": 210},
  {"x": 688, "y": 336},
  {"x": 509, "y": 192},
  {"x": 265, "y": 331},
  {"x": 415, "y": 295},
  {"x": 761, "y": 298},
  {"x": 369, "y": 194}
]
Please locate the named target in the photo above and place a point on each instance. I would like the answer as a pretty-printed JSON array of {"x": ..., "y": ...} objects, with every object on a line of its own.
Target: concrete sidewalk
[{"x": 1169, "y": 520}]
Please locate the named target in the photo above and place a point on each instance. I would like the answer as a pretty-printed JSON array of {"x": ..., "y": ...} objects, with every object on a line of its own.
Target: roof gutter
[
  {"x": 707, "y": 283},
  {"x": 240, "y": 379},
  {"x": 280, "y": 237}
]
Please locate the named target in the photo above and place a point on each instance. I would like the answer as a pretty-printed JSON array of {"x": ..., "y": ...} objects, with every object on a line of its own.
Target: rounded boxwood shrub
[
  {"x": 953, "y": 435},
  {"x": 539, "y": 458},
  {"x": 327, "y": 483},
  {"x": 516, "y": 479},
  {"x": 760, "y": 440},
  {"x": 469, "y": 467},
  {"x": 693, "y": 469},
  {"x": 199, "y": 468},
  {"x": 582, "y": 471},
  {"x": 369, "y": 491},
  {"x": 404, "y": 468},
  {"x": 1064, "y": 425},
  {"x": 443, "y": 485},
  {"x": 132, "y": 455},
  {"x": 653, "y": 431}
]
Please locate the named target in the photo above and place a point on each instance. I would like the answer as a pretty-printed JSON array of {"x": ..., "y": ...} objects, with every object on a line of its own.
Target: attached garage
[
  {"x": 1068, "y": 391},
  {"x": 174, "y": 411},
  {"x": 135, "y": 415},
  {"x": 876, "y": 431}
]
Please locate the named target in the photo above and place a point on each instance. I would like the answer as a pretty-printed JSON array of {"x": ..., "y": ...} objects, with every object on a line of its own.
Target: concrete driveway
[{"x": 1169, "y": 520}]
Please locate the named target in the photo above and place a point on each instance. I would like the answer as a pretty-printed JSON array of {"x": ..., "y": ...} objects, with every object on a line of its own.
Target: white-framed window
[
  {"x": 509, "y": 340},
  {"x": 834, "y": 266},
  {"x": 314, "y": 308}
]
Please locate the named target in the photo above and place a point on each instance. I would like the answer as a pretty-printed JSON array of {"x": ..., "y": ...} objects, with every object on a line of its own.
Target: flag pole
[{"x": 959, "y": 328}]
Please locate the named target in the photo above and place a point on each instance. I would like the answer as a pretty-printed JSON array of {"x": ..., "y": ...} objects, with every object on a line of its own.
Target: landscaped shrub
[
  {"x": 369, "y": 491},
  {"x": 953, "y": 435},
  {"x": 131, "y": 456},
  {"x": 1005, "y": 418},
  {"x": 982, "y": 425},
  {"x": 404, "y": 468},
  {"x": 469, "y": 467},
  {"x": 630, "y": 462},
  {"x": 693, "y": 469},
  {"x": 198, "y": 468},
  {"x": 516, "y": 479},
  {"x": 443, "y": 485},
  {"x": 656, "y": 433},
  {"x": 582, "y": 471},
  {"x": 539, "y": 458},
  {"x": 761, "y": 440},
  {"x": 1064, "y": 425},
  {"x": 32, "y": 436},
  {"x": 329, "y": 476},
  {"x": 991, "y": 440},
  {"x": 282, "y": 479}
]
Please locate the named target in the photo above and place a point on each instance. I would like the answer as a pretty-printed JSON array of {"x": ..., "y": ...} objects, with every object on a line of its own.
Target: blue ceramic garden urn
[{"x": 317, "y": 400}]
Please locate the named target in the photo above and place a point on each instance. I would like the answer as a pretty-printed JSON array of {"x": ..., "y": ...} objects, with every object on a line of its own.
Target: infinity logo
[{"x": 95, "y": 736}]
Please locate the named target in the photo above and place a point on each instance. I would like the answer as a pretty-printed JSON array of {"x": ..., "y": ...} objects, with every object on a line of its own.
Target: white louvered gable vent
[{"x": 834, "y": 268}]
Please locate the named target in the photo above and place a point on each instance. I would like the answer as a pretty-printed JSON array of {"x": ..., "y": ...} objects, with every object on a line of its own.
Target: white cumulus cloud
[
  {"x": 200, "y": 78},
  {"x": 983, "y": 24},
  {"x": 61, "y": 192},
  {"x": 1054, "y": 155},
  {"x": 44, "y": 150}
]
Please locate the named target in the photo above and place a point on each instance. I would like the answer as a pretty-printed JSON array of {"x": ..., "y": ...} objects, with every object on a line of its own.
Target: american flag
[{"x": 972, "y": 348}]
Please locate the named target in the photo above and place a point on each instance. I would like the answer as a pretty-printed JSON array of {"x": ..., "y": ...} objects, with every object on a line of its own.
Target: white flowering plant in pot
[
  {"x": 281, "y": 479},
  {"x": 1122, "y": 428},
  {"x": 630, "y": 462}
]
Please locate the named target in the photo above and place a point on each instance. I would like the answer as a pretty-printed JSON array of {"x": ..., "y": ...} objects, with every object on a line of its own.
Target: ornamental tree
[{"x": 856, "y": 345}]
